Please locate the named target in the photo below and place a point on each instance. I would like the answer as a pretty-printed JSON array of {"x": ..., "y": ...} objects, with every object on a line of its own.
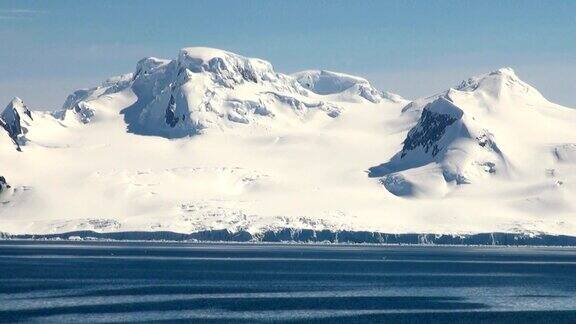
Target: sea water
[{"x": 51, "y": 281}]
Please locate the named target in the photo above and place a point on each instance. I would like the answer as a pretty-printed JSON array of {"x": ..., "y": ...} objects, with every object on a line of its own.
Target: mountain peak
[
  {"x": 506, "y": 71},
  {"x": 16, "y": 100},
  {"x": 147, "y": 64},
  {"x": 18, "y": 104},
  {"x": 14, "y": 118},
  {"x": 501, "y": 83},
  {"x": 15, "y": 109},
  {"x": 227, "y": 67},
  {"x": 204, "y": 54}
]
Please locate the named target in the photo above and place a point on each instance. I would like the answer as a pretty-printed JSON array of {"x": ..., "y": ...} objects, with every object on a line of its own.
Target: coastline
[{"x": 291, "y": 235}]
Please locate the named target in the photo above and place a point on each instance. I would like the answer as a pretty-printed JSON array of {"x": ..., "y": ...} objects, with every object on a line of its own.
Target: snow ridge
[{"x": 347, "y": 86}]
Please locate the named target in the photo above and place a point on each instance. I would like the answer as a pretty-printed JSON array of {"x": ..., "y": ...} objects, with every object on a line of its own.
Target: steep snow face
[
  {"x": 77, "y": 105},
  {"x": 348, "y": 87},
  {"x": 111, "y": 85},
  {"x": 491, "y": 126}
]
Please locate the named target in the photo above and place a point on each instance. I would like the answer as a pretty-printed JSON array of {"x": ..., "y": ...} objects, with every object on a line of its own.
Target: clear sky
[{"x": 413, "y": 48}]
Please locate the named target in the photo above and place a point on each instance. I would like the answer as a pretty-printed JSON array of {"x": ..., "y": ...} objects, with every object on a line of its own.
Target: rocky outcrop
[
  {"x": 431, "y": 127},
  {"x": 3, "y": 184},
  {"x": 15, "y": 119}
]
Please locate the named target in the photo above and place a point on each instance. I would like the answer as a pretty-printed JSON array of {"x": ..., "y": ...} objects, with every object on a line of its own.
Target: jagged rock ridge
[{"x": 14, "y": 119}]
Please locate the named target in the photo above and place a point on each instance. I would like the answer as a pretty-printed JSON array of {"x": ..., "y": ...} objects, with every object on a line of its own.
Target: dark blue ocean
[{"x": 89, "y": 282}]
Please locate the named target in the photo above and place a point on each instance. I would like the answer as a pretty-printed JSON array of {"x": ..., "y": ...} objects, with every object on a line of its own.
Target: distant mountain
[
  {"x": 207, "y": 88},
  {"x": 346, "y": 87},
  {"x": 212, "y": 140}
]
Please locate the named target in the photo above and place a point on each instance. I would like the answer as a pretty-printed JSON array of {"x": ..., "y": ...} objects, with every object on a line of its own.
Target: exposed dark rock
[
  {"x": 248, "y": 75},
  {"x": 427, "y": 133},
  {"x": 11, "y": 120},
  {"x": 3, "y": 184},
  {"x": 84, "y": 112},
  {"x": 170, "y": 117},
  {"x": 12, "y": 125},
  {"x": 486, "y": 140}
]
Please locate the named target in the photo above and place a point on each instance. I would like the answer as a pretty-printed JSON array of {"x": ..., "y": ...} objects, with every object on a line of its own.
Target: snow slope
[
  {"x": 342, "y": 86},
  {"x": 214, "y": 140}
]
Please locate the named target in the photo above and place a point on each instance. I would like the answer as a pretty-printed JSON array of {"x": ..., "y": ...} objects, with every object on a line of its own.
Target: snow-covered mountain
[
  {"x": 15, "y": 119},
  {"x": 215, "y": 140},
  {"x": 491, "y": 126},
  {"x": 205, "y": 89},
  {"x": 344, "y": 87}
]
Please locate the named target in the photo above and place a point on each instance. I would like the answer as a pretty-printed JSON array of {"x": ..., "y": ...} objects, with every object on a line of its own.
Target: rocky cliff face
[{"x": 15, "y": 119}]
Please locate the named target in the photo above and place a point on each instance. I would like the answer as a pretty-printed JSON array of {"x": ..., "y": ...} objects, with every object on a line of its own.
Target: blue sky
[{"x": 414, "y": 48}]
